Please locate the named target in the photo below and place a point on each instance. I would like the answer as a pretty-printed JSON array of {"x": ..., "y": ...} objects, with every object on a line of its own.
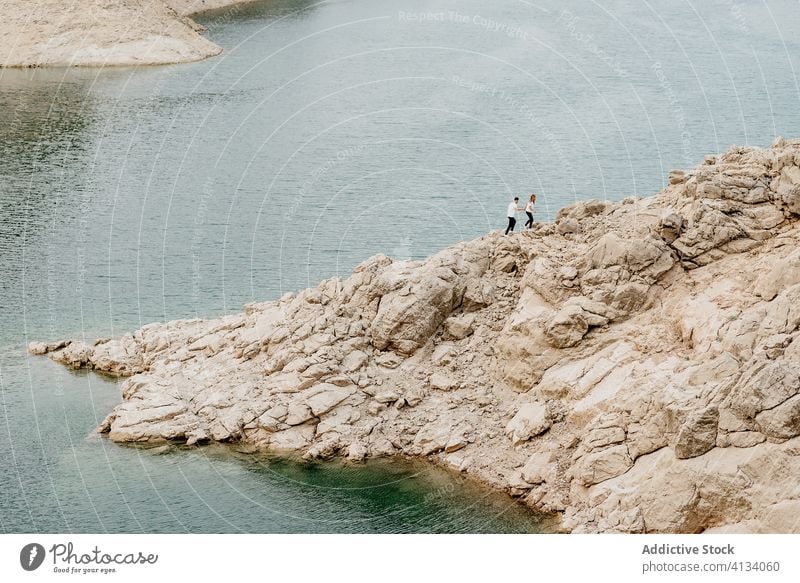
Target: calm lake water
[{"x": 327, "y": 132}]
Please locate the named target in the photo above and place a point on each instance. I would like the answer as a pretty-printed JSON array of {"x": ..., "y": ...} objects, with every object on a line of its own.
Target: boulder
[
  {"x": 539, "y": 468},
  {"x": 707, "y": 229},
  {"x": 413, "y": 304},
  {"x": 324, "y": 397},
  {"x": 125, "y": 357},
  {"x": 356, "y": 452},
  {"x": 296, "y": 438},
  {"x": 583, "y": 209},
  {"x": 698, "y": 434},
  {"x": 785, "y": 273},
  {"x": 781, "y": 422},
  {"x": 677, "y": 176},
  {"x": 442, "y": 382},
  {"x": 787, "y": 188},
  {"x": 604, "y": 464},
  {"x": 762, "y": 387},
  {"x": 477, "y": 295},
  {"x": 389, "y": 360},
  {"x": 354, "y": 361},
  {"x": 505, "y": 257},
  {"x": 388, "y": 396},
  {"x": 298, "y": 413},
  {"x": 670, "y": 225},
  {"x": 567, "y": 327},
  {"x": 39, "y": 348},
  {"x": 602, "y": 437},
  {"x": 76, "y": 354},
  {"x": 568, "y": 226},
  {"x": 459, "y": 327},
  {"x": 532, "y": 419},
  {"x": 433, "y": 437}
]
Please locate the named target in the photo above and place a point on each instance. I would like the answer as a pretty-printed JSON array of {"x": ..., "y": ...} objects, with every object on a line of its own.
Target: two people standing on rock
[{"x": 513, "y": 209}]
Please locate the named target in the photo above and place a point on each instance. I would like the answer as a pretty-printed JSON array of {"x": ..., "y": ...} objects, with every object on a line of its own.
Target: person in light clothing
[
  {"x": 513, "y": 209},
  {"x": 529, "y": 212}
]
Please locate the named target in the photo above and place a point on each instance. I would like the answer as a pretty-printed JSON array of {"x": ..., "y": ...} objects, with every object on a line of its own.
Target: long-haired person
[{"x": 529, "y": 212}]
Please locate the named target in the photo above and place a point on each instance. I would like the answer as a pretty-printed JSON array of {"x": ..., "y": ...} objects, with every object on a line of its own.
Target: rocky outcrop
[
  {"x": 189, "y": 7},
  {"x": 632, "y": 366},
  {"x": 39, "y": 33}
]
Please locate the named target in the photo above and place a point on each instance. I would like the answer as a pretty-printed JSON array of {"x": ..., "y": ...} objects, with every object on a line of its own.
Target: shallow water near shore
[
  {"x": 63, "y": 478},
  {"x": 327, "y": 132}
]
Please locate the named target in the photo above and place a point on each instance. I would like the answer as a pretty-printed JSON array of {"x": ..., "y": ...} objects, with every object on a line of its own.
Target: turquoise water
[{"x": 327, "y": 132}]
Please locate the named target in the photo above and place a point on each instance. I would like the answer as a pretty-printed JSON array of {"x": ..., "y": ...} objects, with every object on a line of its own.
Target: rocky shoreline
[
  {"x": 51, "y": 33},
  {"x": 632, "y": 366}
]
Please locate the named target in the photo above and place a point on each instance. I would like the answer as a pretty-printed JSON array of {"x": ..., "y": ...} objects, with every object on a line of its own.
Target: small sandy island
[{"x": 92, "y": 33}]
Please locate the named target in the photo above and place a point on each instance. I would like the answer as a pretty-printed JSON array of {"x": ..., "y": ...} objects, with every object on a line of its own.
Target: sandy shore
[{"x": 51, "y": 33}]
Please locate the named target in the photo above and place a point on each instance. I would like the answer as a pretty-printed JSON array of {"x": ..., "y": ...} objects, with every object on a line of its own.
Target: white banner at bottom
[{"x": 422, "y": 558}]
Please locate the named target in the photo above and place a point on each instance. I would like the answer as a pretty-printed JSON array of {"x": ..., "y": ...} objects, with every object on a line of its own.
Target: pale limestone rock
[
  {"x": 442, "y": 382},
  {"x": 324, "y": 397},
  {"x": 389, "y": 360},
  {"x": 584, "y": 209},
  {"x": 568, "y": 226},
  {"x": 707, "y": 229},
  {"x": 505, "y": 257},
  {"x": 354, "y": 361},
  {"x": 673, "y": 333},
  {"x": 387, "y": 396},
  {"x": 292, "y": 439},
  {"x": 433, "y": 437},
  {"x": 677, "y": 176},
  {"x": 784, "y": 274},
  {"x": 539, "y": 468},
  {"x": 685, "y": 495},
  {"x": 603, "y": 464},
  {"x": 443, "y": 355},
  {"x": 781, "y": 422},
  {"x": 356, "y": 452},
  {"x": 455, "y": 442},
  {"x": 568, "y": 272},
  {"x": 268, "y": 423},
  {"x": 298, "y": 413},
  {"x": 764, "y": 387},
  {"x": 459, "y": 327},
  {"x": 413, "y": 304},
  {"x": 125, "y": 32},
  {"x": 698, "y": 434},
  {"x": 338, "y": 420},
  {"x": 76, "y": 354},
  {"x": 45, "y": 347},
  {"x": 787, "y": 188},
  {"x": 532, "y": 419},
  {"x": 611, "y": 250},
  {"x": 414, "y": 397},
  {"x": 567, "y": 327},
  {"x": 745, "y": 439},
  {"x": 155, "y": 423},
  {"x": 477, "y": 295},
  {"x": 602, "y": 437}
]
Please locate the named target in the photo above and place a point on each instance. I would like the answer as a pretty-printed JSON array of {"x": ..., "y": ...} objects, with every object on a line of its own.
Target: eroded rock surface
[
  {"x": 634, "y": 366},
  {"x": 41, "y": 33}
]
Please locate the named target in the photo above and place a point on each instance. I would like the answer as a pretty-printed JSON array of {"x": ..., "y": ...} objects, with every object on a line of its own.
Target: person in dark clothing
[{"x": 513, "y": 209}]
